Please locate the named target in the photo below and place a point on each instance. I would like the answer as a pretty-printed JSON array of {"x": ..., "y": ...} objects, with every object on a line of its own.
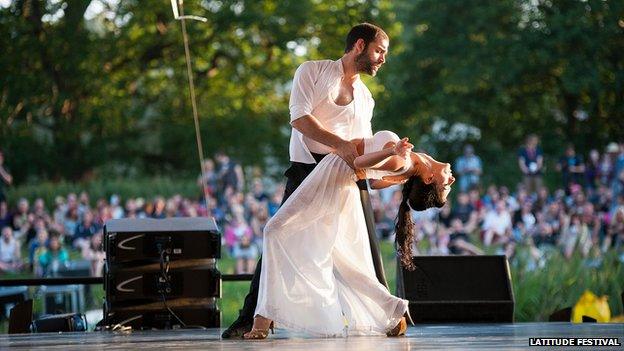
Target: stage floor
[{"x": 423, "y": 337}]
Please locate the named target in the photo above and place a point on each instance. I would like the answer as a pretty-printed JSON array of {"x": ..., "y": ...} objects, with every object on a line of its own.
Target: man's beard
[{"x": 364, "y": 64}]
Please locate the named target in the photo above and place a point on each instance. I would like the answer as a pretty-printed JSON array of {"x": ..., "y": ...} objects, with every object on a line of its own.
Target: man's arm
[
  {"x": 309, "y": 126},
  {"x": 381, "y": 184},
  {"x": 522, "y": 166},
  {"x": 400, "y": 149},
  {"x": 6, "y": 177}
]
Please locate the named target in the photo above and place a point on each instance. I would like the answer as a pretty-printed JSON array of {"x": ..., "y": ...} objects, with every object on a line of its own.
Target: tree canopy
[{"x": 94, "y": 87}]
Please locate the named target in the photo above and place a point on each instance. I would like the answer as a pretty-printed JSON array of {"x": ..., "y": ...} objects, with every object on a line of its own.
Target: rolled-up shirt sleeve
[{"x": 302, "y": 91}]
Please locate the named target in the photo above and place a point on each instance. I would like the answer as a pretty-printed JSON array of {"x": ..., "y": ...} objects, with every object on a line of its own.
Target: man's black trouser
[{"x": 294, "y": 177}]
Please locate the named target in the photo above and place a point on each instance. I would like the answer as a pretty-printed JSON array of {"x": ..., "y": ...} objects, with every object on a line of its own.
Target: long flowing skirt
[{"x": 317, "y": 269}]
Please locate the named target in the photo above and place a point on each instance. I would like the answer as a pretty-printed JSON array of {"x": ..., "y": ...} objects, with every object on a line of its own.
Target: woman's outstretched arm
[{"x": 387, "y": 156}]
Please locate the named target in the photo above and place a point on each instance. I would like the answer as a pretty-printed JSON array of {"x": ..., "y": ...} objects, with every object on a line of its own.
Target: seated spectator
[
  {"x": 607, "y": 167},
  {"x": 83, "y": 204},
  {"x": 131, "y": 209},
  {"x": 159, "y": 208},
  {"x": 258, "y": 221},
  {"x": 60, "y": 208},
  {"x": 542, "y": 200},
  {"x": 10, "y": 256},
  {"x": 116, "y": 210},
  {"x": 574, "y": 236},
  {"x": 35, "y": 247},
  {"x": 258, "y": 191},
  {"x": 477, "y": 203},
  {"x": 459, "y": 242},
  {"x": 387, "y": 214},
  {"x": 70, "y": 222},
  {"x": 276, "y": 200},
  {"x": 235, "y": 230},
  {"x": 103, "y": 213},
  {"x": 615, "y": 233},
  {"x": 556, "y": 216},
  {"x": 445, "y": 216},
  {"x": 94, "y": 252},
  {"x": 593, "y": 222},
  {"x": 510, "y": 200},
  {"x": 491, "y": 197},
  {"x": 526, "y": 216},
  {"x": 497, "y": 224},
  {"x": 439, "y": 243},
  {"x": 84, "y": 231},
  {"x": 22, "y": 218},
  {"x": 246, "y": 254},
  {"x": 53, "y": 257},
  {"x": 543, "y": 233},
  {"x": 39, "y": 224},
  {"x": 465, "y": 211}
]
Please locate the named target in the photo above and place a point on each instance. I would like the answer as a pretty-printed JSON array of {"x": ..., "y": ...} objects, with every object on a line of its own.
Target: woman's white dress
[{"x": 317, "y": 270}]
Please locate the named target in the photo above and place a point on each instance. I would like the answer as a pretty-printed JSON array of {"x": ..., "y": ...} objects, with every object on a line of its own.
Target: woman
[{"x": 317, "y": 271}]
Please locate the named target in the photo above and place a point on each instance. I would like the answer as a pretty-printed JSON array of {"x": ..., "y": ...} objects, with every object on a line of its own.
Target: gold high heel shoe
[
  {"x": 257, "y": 334},
  {"x": 400, "y": 328}
]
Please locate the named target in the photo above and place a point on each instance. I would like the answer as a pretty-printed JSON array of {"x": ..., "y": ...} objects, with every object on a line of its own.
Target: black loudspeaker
[
  {"x": 161, "y": 273},
  {"x": 21, "y": 317},
  {"x": 139, "y": 240},
  {"x": 459, "y": 289},
  {"x": 143, "y": 318},
  {"x": 133, "y": 285},
  {"x": 70, "y": 322}
]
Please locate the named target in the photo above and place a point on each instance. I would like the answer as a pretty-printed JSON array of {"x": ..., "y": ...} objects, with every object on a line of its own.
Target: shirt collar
[{"x": 340, "y": 69}]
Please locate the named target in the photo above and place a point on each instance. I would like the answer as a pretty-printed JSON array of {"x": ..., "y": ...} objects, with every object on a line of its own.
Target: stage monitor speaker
[
  {"x": 141, "y": 319},
  {"x": 130, "y": 240},
  {"x": 459, "y": 289},
  {"x": 135, "y": 285},
  {"x": 21, "y": 317},
  {"x": 69, "y": 322}
]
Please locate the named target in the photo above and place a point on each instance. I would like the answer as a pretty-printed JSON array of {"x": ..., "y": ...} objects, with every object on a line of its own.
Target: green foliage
[
  {"x": 509, "y": 68},
  {"x": 82, "y": 96},
  {"x": 560, "y": 283}
]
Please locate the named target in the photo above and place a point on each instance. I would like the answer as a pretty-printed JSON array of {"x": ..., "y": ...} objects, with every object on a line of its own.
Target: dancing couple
[{"x": 316, "y": 272}]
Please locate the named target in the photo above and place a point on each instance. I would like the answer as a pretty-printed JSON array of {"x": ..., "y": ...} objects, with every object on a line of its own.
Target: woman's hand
[{"x": 403, "y": 147}]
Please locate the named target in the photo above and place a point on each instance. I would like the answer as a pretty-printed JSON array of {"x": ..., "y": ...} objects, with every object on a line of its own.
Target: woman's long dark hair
[{"x": 419, "y": 196}]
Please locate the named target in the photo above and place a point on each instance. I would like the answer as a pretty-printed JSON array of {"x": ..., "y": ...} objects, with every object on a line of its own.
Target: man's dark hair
[{"x": 366, "y": 31}]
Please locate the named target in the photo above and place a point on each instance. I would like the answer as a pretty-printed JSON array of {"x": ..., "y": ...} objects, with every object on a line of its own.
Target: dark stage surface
[{"x": 422, "y": 337}]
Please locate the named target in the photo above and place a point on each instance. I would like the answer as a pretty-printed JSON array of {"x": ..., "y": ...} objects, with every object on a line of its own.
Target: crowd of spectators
[{"x": 584, "y": 216}]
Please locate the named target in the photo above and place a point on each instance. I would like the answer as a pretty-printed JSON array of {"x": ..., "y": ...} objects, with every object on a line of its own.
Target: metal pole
[{"x": 369, "y": 217}]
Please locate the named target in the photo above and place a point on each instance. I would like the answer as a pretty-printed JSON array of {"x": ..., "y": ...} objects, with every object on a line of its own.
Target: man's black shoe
[{"x": 237, "y": 329}]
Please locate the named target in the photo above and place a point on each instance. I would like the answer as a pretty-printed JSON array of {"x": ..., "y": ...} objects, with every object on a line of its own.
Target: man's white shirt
[{"x": 314, "y": 90}]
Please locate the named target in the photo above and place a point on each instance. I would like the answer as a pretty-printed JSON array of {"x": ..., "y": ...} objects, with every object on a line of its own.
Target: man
[
  {"x": 5, "y": 178},
  {"x": 531, "y": 163},
  {"x": 329, "y": 106},
  {"x": 572, "y": 168},
  {"x": 469, "y": 168},
  {"x": 10, "y": 256}
]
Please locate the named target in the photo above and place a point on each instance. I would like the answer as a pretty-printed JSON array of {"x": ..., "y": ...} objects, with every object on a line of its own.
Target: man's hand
[
  {"x": 347, "y": 151},
  {"x": 360, "y": 173}
]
